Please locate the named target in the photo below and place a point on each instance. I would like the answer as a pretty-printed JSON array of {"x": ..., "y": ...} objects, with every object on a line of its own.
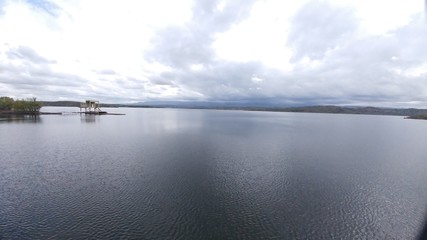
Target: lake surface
[{"x": 210, "y": 174}]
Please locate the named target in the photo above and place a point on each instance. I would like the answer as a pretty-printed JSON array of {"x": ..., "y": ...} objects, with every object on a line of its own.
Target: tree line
[{"x": 30, "y": 105}]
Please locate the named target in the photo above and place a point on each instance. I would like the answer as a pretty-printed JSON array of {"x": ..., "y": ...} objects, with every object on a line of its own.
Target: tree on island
[
  {"x": 6, "y": 103},
  {"x": 29, "y": 105}
]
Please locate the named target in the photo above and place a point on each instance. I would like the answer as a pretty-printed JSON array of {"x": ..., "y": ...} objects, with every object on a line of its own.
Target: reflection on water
[
  {"x": 89, "y": 118},
  {"x": 20, "y": 118}
]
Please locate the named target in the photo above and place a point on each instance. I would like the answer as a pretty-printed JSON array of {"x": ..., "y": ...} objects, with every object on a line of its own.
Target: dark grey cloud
[
  {"x": 106, "y": 72},
  {"x": 16, "y": 76},
  {"x": 218, "y": 80},
  {"x": 367, "y": 69},
  {"x": 34, "y": 69},
  {"x": 314, "y": 31},
  {"x": 27, "y": 53},
  {"x": 130, "y": 83},
  {"x": 167, "y": 80},
  {"x": 191, "y": 44},
  {"x": 181, "y": 46},
  {"x": 350, "y": 69},
  {"x": 319, "y": 27},
  {"x": 29, "y": 73},
  {"x": 25, "y": 73}
]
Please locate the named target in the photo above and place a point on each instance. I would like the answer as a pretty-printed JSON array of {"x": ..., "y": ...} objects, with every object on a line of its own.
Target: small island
[{"x": 91, "y": 107}]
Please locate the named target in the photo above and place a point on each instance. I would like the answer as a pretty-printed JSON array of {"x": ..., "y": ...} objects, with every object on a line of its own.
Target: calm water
[{"x": 200, "y": 174}]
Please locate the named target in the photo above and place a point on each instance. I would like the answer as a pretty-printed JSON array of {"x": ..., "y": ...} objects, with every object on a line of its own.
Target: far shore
[
  {"x": 418, "y": 117},
  {"x": 408, "y": 113}
]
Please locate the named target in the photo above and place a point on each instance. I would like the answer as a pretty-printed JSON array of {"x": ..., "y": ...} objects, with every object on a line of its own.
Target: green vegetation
[
  {"x": 6, "y": 103},
  {"x": 27, "y": 106}
]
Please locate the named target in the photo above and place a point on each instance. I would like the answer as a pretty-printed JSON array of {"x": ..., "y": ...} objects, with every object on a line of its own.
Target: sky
[{"x": 306, "y": 52}]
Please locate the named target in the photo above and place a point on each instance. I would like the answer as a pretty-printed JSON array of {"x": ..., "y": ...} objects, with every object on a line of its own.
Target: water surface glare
[{"x": 210, "y": 174}]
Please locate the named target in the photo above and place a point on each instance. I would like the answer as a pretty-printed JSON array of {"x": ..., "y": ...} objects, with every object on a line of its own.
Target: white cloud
[
  {"x": 381, "y": 16},
  {"x": 256, "y": 79},
  {"x": 197, "y": 67},
  {"x": 261, "y": 37}
]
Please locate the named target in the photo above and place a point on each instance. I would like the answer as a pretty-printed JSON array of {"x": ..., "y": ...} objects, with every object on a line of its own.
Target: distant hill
[
  {"x": 358, "y": 110},
  {"x": 252, "y": 106},
  {"x": 60, "y": 104}
]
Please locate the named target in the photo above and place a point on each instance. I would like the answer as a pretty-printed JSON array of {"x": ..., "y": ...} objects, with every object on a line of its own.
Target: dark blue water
[{"x": 207, "y": 174}]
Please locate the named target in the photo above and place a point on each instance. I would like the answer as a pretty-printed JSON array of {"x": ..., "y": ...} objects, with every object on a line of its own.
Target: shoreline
[
  {"x": 417, "y": 117},
  {"x": 12, "y": 113},
  {"x": 310, "y": 109}
]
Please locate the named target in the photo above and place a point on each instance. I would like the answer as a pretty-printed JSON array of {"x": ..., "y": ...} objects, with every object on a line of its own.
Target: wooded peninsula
[{"x": 29, "y": 106}]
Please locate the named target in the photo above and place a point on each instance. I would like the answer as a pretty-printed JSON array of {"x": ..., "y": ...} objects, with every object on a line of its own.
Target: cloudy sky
[{"x": 349, "y": 52}]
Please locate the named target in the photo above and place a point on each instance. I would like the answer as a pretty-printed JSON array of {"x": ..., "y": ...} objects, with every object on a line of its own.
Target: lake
[{"x": 212, "y": 174}]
